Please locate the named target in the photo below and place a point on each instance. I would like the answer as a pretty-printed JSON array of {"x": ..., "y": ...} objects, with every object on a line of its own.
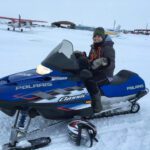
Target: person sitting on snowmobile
[
  {"x": 100, "y": 63},
  {"x": 101, "y": 51}
]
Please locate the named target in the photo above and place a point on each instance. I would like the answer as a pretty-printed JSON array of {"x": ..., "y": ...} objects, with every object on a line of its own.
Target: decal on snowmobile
[
  {"x": 135, "y": 87},
  {"x": 31, "y": 86},
  {"x": 24, "y": 74},
  {"x": 59, "y": 78},
  {"x": 71, "y": 98}
]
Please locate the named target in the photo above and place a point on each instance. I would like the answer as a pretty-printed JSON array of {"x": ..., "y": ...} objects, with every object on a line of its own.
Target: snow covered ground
[{"x": 23, "y": 51}]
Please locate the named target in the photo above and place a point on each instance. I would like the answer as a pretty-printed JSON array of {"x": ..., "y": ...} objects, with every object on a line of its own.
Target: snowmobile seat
[
  {"x": 103, "y": 82},
  {"x": 85, "y": 74},
  {"x": 121, "y": 77}
]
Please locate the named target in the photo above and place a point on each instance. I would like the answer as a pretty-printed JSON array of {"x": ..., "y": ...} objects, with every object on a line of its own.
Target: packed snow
[{"x": 23, "y": 51}]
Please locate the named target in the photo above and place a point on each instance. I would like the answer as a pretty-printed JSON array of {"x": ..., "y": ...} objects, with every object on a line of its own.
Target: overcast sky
[{"x": 129, "y": 14}]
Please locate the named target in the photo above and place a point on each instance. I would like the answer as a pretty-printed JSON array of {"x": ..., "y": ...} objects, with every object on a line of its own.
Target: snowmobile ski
[{"x": 29, "y": 145}]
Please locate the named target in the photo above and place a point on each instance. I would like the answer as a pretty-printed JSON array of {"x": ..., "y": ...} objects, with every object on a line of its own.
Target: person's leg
[
  {"x": 95, "y": 94},
  {"x": 90, "y": 83}
]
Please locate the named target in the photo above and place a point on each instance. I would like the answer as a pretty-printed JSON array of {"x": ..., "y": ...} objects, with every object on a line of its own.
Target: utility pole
[
  {"x": 114, "y": 26},
  {"x": 146, "y": 32},
  {"x": 147, "y": 26}
]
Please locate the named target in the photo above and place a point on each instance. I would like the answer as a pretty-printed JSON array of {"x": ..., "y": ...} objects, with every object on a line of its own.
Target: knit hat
[{"x": 99, "y": 31}]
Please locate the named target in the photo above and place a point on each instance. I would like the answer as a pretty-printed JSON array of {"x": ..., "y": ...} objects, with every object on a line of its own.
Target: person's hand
[
  {"x": 84, "y": 54},
  {"x": 79, "y": 54},
  {"x": 99, "y": 62}
]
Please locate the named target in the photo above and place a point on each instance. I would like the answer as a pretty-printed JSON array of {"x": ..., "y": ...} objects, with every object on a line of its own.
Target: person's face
[{"x": 97, "y": 39}]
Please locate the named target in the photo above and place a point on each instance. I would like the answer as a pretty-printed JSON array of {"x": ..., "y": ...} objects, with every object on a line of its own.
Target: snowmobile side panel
[{"x": 132, "y": 86}]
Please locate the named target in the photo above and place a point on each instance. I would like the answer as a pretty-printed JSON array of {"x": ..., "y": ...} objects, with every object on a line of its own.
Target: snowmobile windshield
[{"x": 62, "y": 58}]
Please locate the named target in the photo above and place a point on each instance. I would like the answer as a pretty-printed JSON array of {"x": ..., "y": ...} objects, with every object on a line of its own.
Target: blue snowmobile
[{"x": 53, "y": 91}]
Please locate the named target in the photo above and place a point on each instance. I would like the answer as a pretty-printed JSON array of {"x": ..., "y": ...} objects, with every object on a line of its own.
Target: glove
[
  {"x": 82, "y": 60},
  {"x": 79, "y": 54},
  {"x": 100, "y": 62}
]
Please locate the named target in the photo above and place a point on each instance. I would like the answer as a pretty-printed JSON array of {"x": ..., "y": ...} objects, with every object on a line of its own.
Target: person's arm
[
  {"x": 108, "y": 59},
  {"x": 109, "y": 53}
]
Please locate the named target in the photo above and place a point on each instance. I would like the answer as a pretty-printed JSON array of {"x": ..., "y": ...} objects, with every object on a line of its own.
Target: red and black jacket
[{"x": 104, "y": 49}]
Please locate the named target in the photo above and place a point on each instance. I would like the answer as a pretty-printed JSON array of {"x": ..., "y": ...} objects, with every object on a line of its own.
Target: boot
[{"x": 96, "y": 103}]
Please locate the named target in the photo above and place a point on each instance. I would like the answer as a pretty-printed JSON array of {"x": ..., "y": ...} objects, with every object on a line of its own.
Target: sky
[{"x": 130, "y": 14}]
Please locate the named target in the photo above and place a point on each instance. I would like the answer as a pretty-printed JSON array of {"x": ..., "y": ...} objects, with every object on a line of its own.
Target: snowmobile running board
[
  {"x": 109, "y": 114},
  {"x": 135, "y": 107}
]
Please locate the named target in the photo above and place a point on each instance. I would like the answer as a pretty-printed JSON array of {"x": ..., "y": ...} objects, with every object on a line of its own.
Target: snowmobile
[{"x": 54, "y": 91}]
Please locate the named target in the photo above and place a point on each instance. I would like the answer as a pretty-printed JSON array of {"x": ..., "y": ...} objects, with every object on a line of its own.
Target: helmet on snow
[{"x": 82, "y": 132}]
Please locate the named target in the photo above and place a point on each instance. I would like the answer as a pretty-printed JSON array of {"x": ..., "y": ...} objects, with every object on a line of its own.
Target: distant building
[
  {"x": 138, "y": 31},
  {"x": 142, "y": 31},
  {"x": 64, "y": 24}
]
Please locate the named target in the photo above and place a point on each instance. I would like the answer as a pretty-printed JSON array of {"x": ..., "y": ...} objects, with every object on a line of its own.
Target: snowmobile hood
[{"x": 30, "y": 74}]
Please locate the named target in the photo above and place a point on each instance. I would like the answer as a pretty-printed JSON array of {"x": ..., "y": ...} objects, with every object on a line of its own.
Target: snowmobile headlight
[{"x": 42, "y": 70}]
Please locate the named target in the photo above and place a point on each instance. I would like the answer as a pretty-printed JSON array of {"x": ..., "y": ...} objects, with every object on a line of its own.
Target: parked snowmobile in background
[{"x": 53, "y": 91}]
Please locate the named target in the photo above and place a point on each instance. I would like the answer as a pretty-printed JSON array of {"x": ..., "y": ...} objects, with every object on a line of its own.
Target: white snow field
[{"x": 23, "y": 51}]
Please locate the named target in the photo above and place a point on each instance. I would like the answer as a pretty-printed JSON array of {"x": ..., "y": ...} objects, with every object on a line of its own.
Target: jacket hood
[{"x": 108, "y": 41}]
